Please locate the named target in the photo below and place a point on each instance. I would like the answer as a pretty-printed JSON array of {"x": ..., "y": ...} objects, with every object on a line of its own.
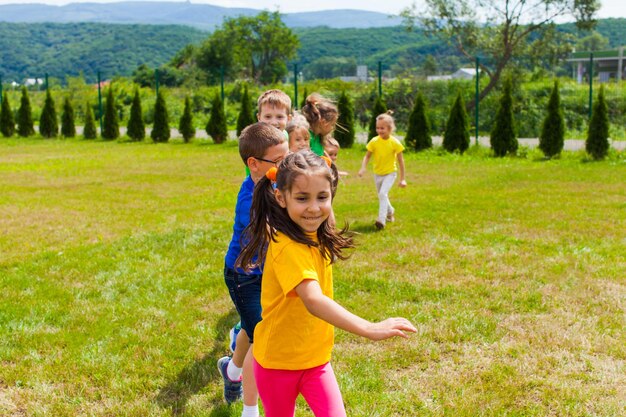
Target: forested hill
[{"x": 31, "y": 50}]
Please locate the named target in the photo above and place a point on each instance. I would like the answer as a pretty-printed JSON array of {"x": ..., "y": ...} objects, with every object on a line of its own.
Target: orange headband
[{"x": 329, "y": 162}]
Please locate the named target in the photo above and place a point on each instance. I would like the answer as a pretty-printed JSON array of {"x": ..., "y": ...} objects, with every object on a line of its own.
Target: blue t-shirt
[{"x": 242, "y": 220}]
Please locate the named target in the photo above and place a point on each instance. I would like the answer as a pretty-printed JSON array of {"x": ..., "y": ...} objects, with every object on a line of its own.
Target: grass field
[{"x": 112, "y": 301}]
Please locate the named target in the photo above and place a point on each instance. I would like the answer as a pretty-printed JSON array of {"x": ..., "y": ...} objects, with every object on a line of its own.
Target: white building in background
[
  {"x": 610, "y": 64},
  {"x": 33, "y": 81},
  {"x": 460, "y": 74},
  {"x": 361, "y": 75}
]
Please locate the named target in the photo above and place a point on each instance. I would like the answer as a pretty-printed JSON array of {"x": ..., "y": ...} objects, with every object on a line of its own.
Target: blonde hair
[
  {"x": 275, "y": 98},
  {"x": 296, "y": 122},
  {"x": 329, "y": 140},
  {"x": 317, "y": 108},
  {"x": 387, "y": 118}
]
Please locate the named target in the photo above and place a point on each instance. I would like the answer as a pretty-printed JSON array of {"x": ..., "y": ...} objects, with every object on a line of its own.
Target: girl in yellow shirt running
[
  {"x": 386, "y": 150},
  {"x": 292, "y": 344}
]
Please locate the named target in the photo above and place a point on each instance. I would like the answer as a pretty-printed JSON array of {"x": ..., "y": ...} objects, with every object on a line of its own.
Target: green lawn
[{"x": 112, "y": 301}]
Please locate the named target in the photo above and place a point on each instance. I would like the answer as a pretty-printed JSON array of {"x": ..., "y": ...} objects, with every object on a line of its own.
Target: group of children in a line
[{"x": 278, "y": 267}]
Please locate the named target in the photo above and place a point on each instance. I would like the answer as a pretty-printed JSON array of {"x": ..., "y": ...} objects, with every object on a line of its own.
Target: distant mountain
[{"x": 201, "y": 16}]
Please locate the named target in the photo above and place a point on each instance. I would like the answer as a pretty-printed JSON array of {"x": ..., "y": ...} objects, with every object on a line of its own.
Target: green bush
[
  {"x": 503, "y": 138},
  {"x": 7, "y": 121},
  {"x": 418, "y": 133},
  {"x": 110, "y": 124},
  {"x": 379, "y": 108},
  {"x": 216, "y": 127},
  {"x": 185, "y": 126},
  {"x": 456, "y": 136},
  {"x": 89, "y": 129},
  {"x": 344, "y": 132},
  {"x": 161, "y": 128},
  {"x": 245, "y": 117},
  {"x": 68, "y": 128},
  {"x": 597, "y": 144},
  {"x": 25, "y": 126},
  {"x": 552, "y": 135},
  {"x": 48, "y": 123},
  {"x": 136, "y": 129}
]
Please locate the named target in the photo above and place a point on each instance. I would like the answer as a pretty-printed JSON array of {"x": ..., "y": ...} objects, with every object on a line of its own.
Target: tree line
[{"x": 456, "y": 137}]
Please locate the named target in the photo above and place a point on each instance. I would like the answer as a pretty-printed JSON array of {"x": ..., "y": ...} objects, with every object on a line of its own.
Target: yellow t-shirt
[
  {"x": 289, "y": 337},
  {"x": 384, "y": 153}
]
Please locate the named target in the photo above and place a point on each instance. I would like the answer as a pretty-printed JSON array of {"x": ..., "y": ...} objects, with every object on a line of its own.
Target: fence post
[
  {"x": 0, "y": 89},
  {"x": 590, "y": 83},
  {"x": 380, "y": 79},
  {"x": 295, "y": 86},
  {"x": 100, "y": 102},
  {"x": 156, "y": 80},
  {"x": 476, "y": 111},
  {"x": 46, "y": 81}
]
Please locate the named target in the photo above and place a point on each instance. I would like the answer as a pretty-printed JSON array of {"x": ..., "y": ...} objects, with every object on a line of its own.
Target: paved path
[
  {"x": 361, "y": 137},
  {"x": 569, "y": 145}
]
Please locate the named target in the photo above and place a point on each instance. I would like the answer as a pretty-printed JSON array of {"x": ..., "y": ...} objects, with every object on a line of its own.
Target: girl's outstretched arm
[
  {"x": 401, "y": 169},
  {"x": 366, "y": 159},
  {"x": 330, "y": 311}
]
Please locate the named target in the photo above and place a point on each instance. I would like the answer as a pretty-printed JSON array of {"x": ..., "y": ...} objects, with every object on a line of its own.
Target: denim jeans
[{"x": 245, "y": 291}]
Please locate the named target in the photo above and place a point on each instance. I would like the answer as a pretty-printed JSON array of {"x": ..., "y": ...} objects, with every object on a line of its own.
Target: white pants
[{"x": 383, "y": 185}]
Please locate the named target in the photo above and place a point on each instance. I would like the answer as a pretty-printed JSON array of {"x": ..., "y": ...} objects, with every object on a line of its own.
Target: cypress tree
[
  {"x": 161, "y": 127},
  {"x": 597, "y": 144},
  {"x": 136, "y": 129},
  {"x": 48, "y": 123},
  {"x": 68, "y": 128},
  {"x": 216, "y": 127},
  {"x": 344, "y": 133},
  {"x": 24, "y": 116},
  {"x": 379, "y": 108},
  {"x": 456, "y": 136},
  {"x": 503, "y": 137},
  {"x": 551, "y": 138},
  {"x": 7, "y": 121},
  {"x": 185, "y": 125},
  {"x": 418, "y": 132},
  {"x": 110, "y": 124},
  {"x": 245, "y": 117},
  {"x": 89, "y": 129}
]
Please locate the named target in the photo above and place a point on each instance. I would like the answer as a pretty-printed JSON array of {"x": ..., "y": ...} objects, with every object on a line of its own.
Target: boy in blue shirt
[{"x": 261, "y": 146}]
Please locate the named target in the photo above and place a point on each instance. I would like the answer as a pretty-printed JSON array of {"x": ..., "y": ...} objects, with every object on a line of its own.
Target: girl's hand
[
  {"x": 361, "y": 172},
  {"x": 390, "y": 328},
  {"x": 402, "y": 184}
]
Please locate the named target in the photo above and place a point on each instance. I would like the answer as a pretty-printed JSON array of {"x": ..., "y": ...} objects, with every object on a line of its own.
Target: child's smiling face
[
  {"x": 299, "y": 139},
  {"x": 273, "y": 115},
  {"x": 309, "y": 201}
]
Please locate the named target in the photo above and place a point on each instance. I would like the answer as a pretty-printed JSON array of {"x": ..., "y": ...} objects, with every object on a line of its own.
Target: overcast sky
[{"x": 610, "y": 8}]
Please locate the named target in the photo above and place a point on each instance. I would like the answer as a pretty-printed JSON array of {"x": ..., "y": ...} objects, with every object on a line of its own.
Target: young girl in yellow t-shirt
[
  {"x": 293, "y": 342},
  {"x": 386, "y": 150}
]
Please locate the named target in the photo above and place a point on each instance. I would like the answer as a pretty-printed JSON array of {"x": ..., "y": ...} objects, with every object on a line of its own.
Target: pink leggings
[{"x": 279, "y": 389}]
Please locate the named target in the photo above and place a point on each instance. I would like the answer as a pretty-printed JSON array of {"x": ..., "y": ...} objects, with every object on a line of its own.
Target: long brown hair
[{"x": 268, "y": 217}]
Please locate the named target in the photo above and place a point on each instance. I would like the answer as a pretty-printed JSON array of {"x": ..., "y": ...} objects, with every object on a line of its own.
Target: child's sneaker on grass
[
  {"x": 234, "y": 331},
  {"x": 391, "y": 218},
  {"x": 379, "y": 225},
  {"x": 232, "y": 389}
]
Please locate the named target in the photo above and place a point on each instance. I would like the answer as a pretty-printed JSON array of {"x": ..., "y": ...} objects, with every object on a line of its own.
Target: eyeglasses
[{"x": 276, "y": 162}]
